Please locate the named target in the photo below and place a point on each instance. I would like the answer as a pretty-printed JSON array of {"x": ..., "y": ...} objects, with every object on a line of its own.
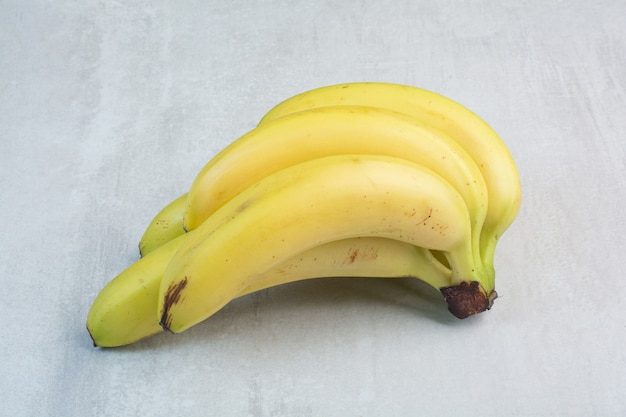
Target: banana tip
[
  {"x": 93, "y": 340},
  {"x": 467, "y": 299}
]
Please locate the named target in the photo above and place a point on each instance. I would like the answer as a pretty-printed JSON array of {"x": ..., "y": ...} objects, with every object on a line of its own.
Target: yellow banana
[
  {"x": 166, "y": 225},
  {"x": 473, "y": 133},
  {"x": 360, "y": 179},
  {"x": 125, "y": 311},
  {"x": 334, "y": 131},
  {"x": 365, "y": 257},
  {"x": 313, "y": 203}
]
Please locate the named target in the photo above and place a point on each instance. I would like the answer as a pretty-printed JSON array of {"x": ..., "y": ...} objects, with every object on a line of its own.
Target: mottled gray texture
[{"x": 108, "y": 109}]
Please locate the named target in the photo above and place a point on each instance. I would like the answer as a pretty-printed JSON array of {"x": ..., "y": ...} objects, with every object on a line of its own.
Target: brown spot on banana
[
  {"x": 354, "y": 253},
  {"x": 357, "y": 254},
  {"x": 172, "y": 296}
]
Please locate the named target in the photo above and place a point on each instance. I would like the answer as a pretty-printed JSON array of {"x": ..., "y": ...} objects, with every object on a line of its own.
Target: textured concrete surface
[{"x": 109, "y": 108}]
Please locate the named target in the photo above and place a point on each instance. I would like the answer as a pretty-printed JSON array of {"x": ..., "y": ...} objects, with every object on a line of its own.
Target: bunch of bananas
[{"x": 353, "y": 180}]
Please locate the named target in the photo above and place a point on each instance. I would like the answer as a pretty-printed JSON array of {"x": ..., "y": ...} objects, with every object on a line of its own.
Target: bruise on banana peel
[
  {"x": 172, "y": 296},
  {"x": 467, "y": 299}
]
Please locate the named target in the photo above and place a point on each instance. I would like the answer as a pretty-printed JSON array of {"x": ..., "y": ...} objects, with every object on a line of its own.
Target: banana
[
  {"x": 125, "y": 311},
  {"x": 166, "y": 225},
  {"x": 365, "y": 257},
  {"x": 333, "y": 131},
  {"x": 361, "y": 179},
  {"x": 312, "y": 203},
  {"x": 473, "y": 133}
]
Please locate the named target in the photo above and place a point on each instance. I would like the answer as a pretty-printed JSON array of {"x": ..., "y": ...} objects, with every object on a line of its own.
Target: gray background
[{"x": 108, "y": 109}]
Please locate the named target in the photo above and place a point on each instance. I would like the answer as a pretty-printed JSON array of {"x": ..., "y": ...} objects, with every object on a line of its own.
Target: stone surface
[{"x": 108, "y": 109}]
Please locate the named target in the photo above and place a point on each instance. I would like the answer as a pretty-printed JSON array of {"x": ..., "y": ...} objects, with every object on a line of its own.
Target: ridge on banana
[{"x": 297, "y": 225}]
